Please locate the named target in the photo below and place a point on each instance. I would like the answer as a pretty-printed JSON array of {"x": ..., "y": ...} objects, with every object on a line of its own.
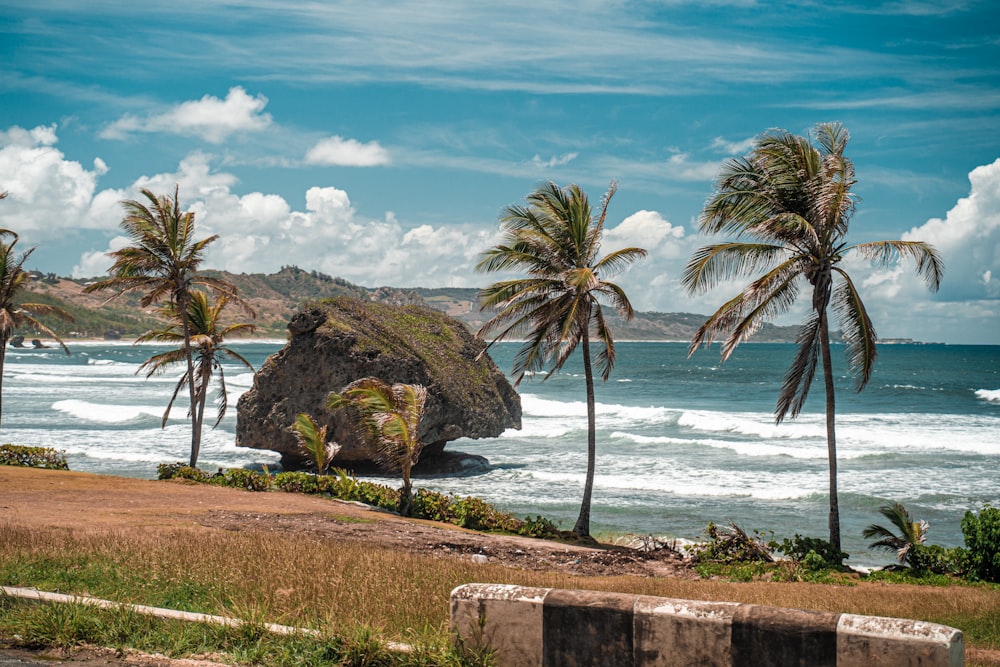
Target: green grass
[{"x": 351, "y": 591}]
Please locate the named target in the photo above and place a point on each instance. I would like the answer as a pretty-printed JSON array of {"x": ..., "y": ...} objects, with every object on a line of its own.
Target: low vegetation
[{"x": 32, "y": 457}]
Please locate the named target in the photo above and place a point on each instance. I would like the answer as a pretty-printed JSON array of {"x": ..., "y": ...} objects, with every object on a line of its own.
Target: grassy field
[{"x": 352, "y": 590}]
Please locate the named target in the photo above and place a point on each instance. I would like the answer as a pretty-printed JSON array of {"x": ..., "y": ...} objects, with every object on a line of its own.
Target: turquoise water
[{"x": 680, "y": 441}]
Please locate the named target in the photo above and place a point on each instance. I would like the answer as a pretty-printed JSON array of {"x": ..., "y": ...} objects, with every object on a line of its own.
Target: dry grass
[{"x": 298, "y": 580}]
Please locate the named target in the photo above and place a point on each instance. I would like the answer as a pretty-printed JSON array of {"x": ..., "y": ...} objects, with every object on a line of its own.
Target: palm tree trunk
[
  {"x": 3, "y": 358},
  {"x": 182, "y": 306},
  {"x": 582, "y": 527},
  {"x": 831, "y": 435}
]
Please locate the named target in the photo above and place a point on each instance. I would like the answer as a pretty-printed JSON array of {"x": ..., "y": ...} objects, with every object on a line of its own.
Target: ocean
[{"x": 681, "y": 441}]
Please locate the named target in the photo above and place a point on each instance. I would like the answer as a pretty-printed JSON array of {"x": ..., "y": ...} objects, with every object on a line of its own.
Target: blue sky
[{"x": 380, "y": 141}]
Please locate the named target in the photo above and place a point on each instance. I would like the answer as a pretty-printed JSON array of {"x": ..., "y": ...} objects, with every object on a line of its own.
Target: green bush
[
  {"x": 935, "y": 559},
  {"x": 33, "y": 457},
  {"x": 433, "y": 505},
  {"x": 801, "y": 548},
  {"x": 181, "y": 471},
  {"x": 241, "y": 478},
  {"x": 296, "y": 482},
  {"x": 982, "y": 540}
]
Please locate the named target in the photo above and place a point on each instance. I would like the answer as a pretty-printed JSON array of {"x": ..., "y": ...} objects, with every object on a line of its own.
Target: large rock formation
[{"x": 344, "y": 339}]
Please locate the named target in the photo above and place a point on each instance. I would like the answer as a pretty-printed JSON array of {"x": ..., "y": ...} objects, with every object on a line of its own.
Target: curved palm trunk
[
  {"x": 3, "y": 357},
  {"x": 406, "y": 492},
  {"x": 182, "y": 306},
  {"x": 582, "y": 527},
  {"x": 831, "y": 435}
]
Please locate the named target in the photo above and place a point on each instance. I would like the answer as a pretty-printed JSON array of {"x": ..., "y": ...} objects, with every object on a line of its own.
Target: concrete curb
[{"x": 544, "y": 627}]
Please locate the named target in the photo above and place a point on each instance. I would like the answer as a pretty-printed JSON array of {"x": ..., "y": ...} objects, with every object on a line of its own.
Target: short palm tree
[
  {"x": 911, "y": 533},
  {"x": 555, "y": 239},
  {"x": 391, "y": 414},
  {"x": 206, "y": 338},
  {"x": 162, "y": 264},
  {"x": 312, "y": 441},
  {"x": 788, "y": 204},
  {"x": 14, "y": 315}
]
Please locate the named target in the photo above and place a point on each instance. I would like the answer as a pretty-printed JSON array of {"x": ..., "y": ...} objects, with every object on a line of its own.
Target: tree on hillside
[
  {"x": 555, "y": 238},
  {"x": 14, "y": 315},
  {"x": 788, "y": 204},
  {"x": 207, "y": 336},
  {"x": 162, "y": 264},
  {"x": 391, "y": 415}
]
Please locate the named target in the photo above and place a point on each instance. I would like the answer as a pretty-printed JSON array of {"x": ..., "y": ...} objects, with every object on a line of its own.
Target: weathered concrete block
[
  {"x": 679, "y": 633},
  {"x": 786, "y": 637},
  {"x": 542, "y": 627},
  {"x": 872, "y": 641},
  {"x": 587, "y": 629},
  {"x": 506, "y": 619}
]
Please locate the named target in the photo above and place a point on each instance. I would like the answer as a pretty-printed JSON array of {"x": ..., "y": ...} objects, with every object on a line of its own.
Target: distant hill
[{"x": 277, "y": 296}]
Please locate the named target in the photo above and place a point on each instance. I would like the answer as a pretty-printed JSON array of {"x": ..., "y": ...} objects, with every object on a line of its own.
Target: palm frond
[
  {"x": 930, "y": 266},
  {"x": 799, "y": 376},
  {"x": 857, "y": 329}
]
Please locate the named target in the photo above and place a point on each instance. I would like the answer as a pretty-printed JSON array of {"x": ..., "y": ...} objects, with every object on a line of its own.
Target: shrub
[
  {"x": 936, "y": 559},
  {"x": 33, "y": 457},
  {"x": 181, "y": 471},
  {"x": 240, "y": 478},
  {"x": 802, "y": 549},
  {"x": 296, "y": 482},
  {"x": 433, "y": 505},
  {"x": 731, "y": 545},
  {"x": 982, "y": 539}
]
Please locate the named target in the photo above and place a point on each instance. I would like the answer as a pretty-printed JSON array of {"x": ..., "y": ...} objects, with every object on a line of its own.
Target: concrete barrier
[{"x": 545, "y": 627}]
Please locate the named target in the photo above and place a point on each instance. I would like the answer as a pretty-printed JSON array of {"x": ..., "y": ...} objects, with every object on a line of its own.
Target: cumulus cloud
[
  {"x": 209, "y": 118},
  {"x": 653, "y": 283},
  {"x": 339, "y": 152},
  {"x": 47, "y": 194},
  {"x": 260, "y": 232}
]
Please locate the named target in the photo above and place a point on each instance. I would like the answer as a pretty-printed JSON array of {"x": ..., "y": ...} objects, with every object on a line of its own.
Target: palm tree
[
  {"x": 205, "y": 341},
  {"x": 911, "y": 533},
  {"x": 312, "y": 441},
  {"x": 555, "y": 238},
  {"x": 14, "y": 315},
  {"x": 391, "y": 415},
  {"x": 162, "y": 264},
  {"x": 788, "y": 204}
]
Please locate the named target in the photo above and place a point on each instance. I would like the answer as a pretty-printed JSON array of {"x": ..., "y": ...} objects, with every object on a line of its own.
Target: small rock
[{"x": 479, "y": 558}]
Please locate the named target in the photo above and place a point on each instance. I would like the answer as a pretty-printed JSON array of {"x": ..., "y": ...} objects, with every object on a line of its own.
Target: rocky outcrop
[{"x": 342, "y": 340}]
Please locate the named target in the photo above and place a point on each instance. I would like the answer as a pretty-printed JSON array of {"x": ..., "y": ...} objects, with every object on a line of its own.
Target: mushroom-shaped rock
[{"x": 341, "y": 340}]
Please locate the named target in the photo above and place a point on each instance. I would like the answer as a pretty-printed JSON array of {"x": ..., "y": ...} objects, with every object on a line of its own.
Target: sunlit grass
[{"x": 342, "y": 585}]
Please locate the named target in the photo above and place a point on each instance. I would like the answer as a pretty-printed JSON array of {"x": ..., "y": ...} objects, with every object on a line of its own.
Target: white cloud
[
  {"x": 554, "y": 161},
  {"x": 209, "y": 118},
  {"x": 340, "y": 152},
  {"x": 740, "y": 147},
  {"x": 48, "y": 194},
  {"x": 967, "y": 309}
]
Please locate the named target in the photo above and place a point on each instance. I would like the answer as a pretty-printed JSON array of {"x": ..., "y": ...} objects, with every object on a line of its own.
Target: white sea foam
[
  {"x": 750, "y": 424},
  {"x": 107, "y": 414},
  {"x": 991, "y": 395}
]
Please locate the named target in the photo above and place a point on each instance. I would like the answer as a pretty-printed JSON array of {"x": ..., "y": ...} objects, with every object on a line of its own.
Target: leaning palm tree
[
  {"x": 313, "y": 443},
  {"x": 14, "y": 315},
  {"x": 911, "y": 533},
  {"x": 555, "y": 238},
  {"x": 162, "y": 264},
  {"x": 206, "y": 339},
  {"x": 788, "y": 204},
  {"x": 391, "y": 415}
]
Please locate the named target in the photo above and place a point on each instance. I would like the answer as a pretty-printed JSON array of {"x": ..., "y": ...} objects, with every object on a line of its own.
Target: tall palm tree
[
  {"x": 14, "y": 315},
  {"x": 206, "y": 338},
  {"x": 788, "y": 204},
  {"x": 162, "y": 263},
  {"x": 391, "y": 414},
  {"x": 555, "y": 238},
  {"x": 911, "y": 533}
]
